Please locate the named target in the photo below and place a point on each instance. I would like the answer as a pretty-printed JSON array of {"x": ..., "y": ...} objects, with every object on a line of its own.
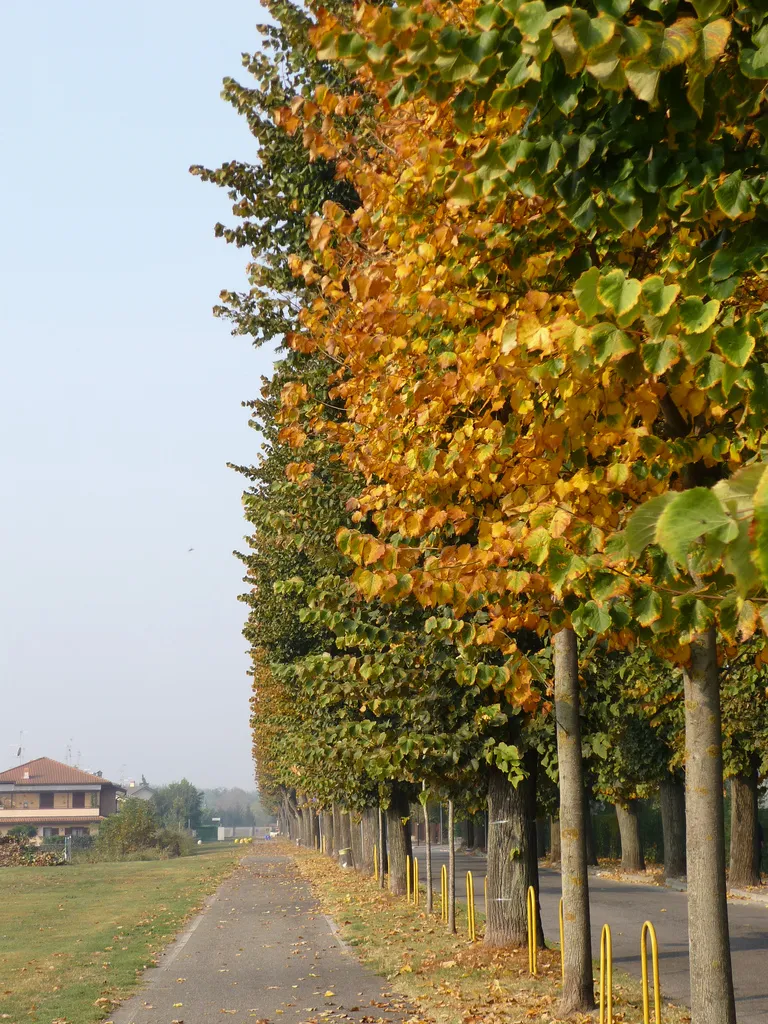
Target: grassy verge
[
  {"x": 449, "y": 978},
  {"x": 74, "y": 940}
]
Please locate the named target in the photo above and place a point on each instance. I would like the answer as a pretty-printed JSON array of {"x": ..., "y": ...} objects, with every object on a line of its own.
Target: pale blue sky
[{"x": 119, "y": 392}]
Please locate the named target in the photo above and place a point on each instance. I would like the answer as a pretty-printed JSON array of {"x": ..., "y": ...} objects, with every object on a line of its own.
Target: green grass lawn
[{"x": 75, "y": 939}]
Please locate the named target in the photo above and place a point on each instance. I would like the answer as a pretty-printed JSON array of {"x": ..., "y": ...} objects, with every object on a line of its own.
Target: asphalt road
[
  {"x": 625, "y": 906},
  {"x": 260, "y": 951}
]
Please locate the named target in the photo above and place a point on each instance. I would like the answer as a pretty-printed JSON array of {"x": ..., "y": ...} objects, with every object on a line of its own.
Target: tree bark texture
[
  {"x": 370, "y": 838},
  {"x": 356, "y": 825},
  {"x": 346, "y": 831},
  {"x": 509, "y": 872},
  {"x": 428, "y": 856},
  {"x": 744, "y": 867},
  {"x": 337, "y": 837},
  {"x": 328, "y": 832},
  {"x": 554, "y": 841},
  {"x": 631, "y": 842},
  {"x": 398, "y": 845},
  {"x": 451, "y": 870},
  {"x": 672, "y": 800},
  {"x": 578, "y": 989},
  {"x": 382, "y": 848},
  {"x": 712, "y": 999}
]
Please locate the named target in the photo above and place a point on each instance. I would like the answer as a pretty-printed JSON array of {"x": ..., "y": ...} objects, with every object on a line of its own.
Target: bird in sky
[{"x": 190, "y": 549}]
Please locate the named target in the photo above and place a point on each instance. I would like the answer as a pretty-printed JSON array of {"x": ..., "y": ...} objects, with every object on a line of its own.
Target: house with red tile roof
[{"x": 57, "y": 799}]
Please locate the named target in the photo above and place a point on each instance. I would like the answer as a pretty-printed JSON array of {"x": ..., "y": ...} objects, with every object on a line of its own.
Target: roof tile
[{"x": 44, "y": 771}]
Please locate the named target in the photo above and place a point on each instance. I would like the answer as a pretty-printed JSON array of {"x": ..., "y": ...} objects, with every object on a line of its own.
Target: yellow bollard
[
  {"x": 416, "y": 881},
  {"x": 606, "y": 976},
  {"x": 562, "y": 941},
  {"x": 444, "y": 893},
  {"x": 408, "y": 877},
  {"x": 375, "y": 861},
  {"x": 470, "y": 907},
  {"x": 530, "y": 906},
  {"x": 648, "y": 929}
]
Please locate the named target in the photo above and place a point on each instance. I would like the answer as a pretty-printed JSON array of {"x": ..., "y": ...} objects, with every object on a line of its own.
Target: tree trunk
[
  {"x": 451, "y": 871},
  {"x": 578, "y": 989},
  {"x": 337, "y": 837},
  {"x": 554, "y": 841},
  {"x": 631, "y": 842},
  {"x": 346, "y": 831},
  {"x": 509, "y": 872},
  {"x": 589, "y": 832},
  {"x": 356, "y": 825},
  {"x": 370, "y": 838},
  {"x": 428, "y": 855},
  {"x": 382, "y": 848},
  {"x": 328, "y": 832},
  {"x": 672, "y": 800},
  {"x": 745, "y": 842},
  {"x": 712, "y": 999},
  {"x": 398, "y": 841}
]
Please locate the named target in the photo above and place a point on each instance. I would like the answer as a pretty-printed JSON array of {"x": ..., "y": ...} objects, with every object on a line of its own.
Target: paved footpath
[{"x": 261, "y": 950}]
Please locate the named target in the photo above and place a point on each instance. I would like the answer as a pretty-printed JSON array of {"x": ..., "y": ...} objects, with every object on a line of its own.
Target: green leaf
[
  {"x": 695, "y": 346},
  {"x": 477, "y": 48},
  {"x": 628, "y": 215},
  {"x": 490, "y": 15},
  {"x": 619, "y": 293},
  {"x": 610, "y": 343},
  {"x": 566, "y": 45},
  {"x": 590, "y": 618},
  {"x": 643, "y": 80},
  {"x": 760, "y": 551},
  {"x": 462, "y": 192},
  {"x": 734, "y": 196},
  {"x": 736, "y": 344},
  {"x": 349, "y": 44},
  {"x": 591, "y": 33},
  {"x": 641, "y": 528},
  {"x": 533, "y": 17},
  {"x": 659, "y": 296},
  {"x": 706, "y": 8},
  {"x": 647, "y": 607},
  {"x": 536, "y": 545},
  {"x": 673, "y": 44},
  {"x": 455, "y": 66},
  {"x": 696, "y": 315},
  {"x": 693, "y": 514},
  {"x": 713, "y": 39},
  {"x": 658, "y": 356},
  {"x": 753, "y": 63},
  {"x": 585, "y": 291}
]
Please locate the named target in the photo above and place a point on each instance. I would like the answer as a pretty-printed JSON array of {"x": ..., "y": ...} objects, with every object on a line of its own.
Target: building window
[
  {"x": 48, "y": 832},
  {"x": 46, "y": 801},
  {"x": 78, "y": 800},
  {"x": 79, "y": 832}
]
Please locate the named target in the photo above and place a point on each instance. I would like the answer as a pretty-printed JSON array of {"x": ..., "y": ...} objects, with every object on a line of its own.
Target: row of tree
[{"x": 510, "y": 517}]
